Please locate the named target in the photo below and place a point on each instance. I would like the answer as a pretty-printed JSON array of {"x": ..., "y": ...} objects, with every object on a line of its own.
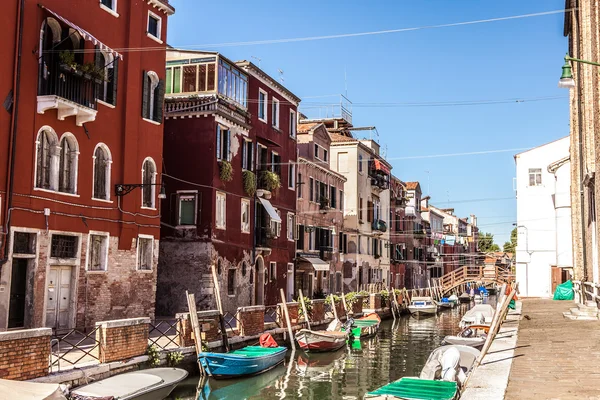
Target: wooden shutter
[
  {"x": 218, "y": 142},
  {"x": 145, "y": 95},
  {"x": 370, "y": 211},
  {"x": 114, "y": 79},
  {"x": 228, "y": 153},
  {"x": 159, "y": 101}
]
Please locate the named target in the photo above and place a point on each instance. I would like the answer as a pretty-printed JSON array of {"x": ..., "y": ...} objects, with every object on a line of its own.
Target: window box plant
[
  {"x": 225, "y": 171},
  {"x": 270, "y": 180},
  {"x": 249, "y": 183}
]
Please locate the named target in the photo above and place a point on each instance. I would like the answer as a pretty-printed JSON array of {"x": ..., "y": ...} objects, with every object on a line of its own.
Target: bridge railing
[{"x": 466, "y": 274}]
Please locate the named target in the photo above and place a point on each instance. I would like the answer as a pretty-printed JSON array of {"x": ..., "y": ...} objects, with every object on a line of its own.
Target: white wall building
[{"x": 544, "y": 252}]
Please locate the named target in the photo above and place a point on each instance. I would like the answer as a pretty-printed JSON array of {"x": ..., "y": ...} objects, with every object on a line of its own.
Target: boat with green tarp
[
  {"x": 415, "y": 389},
  {"x": 250, "y": 360},
  {"x": 365, "y": 326}
]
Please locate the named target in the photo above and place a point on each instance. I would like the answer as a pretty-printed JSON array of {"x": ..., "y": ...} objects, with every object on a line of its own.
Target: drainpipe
[{"x": 13, "y": 128}]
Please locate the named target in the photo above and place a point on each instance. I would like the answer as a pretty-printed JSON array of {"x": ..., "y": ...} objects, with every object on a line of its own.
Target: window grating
[{"x": 63, "y": 246}]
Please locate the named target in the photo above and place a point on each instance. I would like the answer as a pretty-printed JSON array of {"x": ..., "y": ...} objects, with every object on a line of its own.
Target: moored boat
[
  {"x": 422, "y": 306},
  {"x": 464, "y": 298},
  {"x": 480, "y": 314},
  {"x": 365, "y": 326},
  {"x": 473, "y": 336},
  {"x": 321, "y": 340},
  {"x": 444, "y": 304},
  {"x": 148, "y": 384},
  {"x": 19, "y": 390},
  {"x": 250, "y": 360}
]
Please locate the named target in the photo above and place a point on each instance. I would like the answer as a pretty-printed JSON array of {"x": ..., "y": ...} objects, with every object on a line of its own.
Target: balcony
[
  {"x": 70, "y": 92},
  {"x": 379, "y": 225},
  {"x": 326, "y": 253},
  {"x": 264, "y": 237},
  {"x": 324, "y": 203}
]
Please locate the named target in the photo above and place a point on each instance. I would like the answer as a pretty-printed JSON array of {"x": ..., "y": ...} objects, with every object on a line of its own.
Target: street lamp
[
  {"x": 121, "y": 189},
  {"x": 566, "y": 79}
]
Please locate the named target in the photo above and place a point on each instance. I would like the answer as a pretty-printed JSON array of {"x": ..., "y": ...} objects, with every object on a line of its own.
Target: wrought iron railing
[
  {"x": 68, "y": 348},
  {"x": 163, "y": 334},
  {"x": 63, "y": 81},
  {"x": 273, "y": 314}
]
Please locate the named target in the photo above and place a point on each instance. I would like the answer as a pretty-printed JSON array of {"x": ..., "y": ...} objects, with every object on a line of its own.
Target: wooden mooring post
[
  {"x": 304, "y": 310},
  {"x": 220, "y": 308},
  {"x": 191, "y": 300},
  {"x": 287, "y": 320}
]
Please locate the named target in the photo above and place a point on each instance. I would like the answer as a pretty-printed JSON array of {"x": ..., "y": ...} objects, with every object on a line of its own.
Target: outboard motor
[{"x": 450, "y": 364}]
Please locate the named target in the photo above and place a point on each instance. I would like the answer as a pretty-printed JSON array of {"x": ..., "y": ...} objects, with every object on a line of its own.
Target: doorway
[
  {"x": 58, "y": 303},
  {"x": 259, "y": 282},
  {"x": 290, "y": 282},
  {"x": 18, "y": 293}
]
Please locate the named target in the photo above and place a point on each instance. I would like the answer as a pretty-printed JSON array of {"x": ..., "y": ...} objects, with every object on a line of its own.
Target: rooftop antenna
[
  {"x": 280, "y": 75},
  {"x": 384, "y": 151},
  {"x": 256, "y": 58}
]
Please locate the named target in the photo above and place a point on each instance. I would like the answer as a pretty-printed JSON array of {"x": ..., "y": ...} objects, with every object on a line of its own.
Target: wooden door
[
  {"x": 59, "y": 297},
  {"x": 18, "y": 290},
  {"x": 556, "y": 277}
]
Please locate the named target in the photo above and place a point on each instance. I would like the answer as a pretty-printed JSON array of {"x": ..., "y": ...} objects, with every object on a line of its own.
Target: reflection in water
[{"x": 399, "y": 349}]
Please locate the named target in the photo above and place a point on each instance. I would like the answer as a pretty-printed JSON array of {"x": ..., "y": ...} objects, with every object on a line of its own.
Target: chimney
[{"x": 473, "y": 220}]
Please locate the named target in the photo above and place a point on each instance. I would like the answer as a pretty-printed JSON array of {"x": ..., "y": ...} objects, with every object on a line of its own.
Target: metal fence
[
  {"x": 163, "y": 334},
  {"x": 71, "y": 347}
]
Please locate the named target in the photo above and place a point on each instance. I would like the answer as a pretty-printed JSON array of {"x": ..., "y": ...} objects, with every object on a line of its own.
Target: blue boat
[{"x": 251, "y": 360}]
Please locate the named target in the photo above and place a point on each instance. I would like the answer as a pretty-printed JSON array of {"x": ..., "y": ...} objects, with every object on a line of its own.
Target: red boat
[{"x": 321, "y": 340}]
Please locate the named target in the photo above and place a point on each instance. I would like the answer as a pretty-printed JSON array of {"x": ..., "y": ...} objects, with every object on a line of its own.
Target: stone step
[
  {"x": 585, "y": 311},
  {"x": 591, "y": 303},
  {"x": 579, "y": 317}
]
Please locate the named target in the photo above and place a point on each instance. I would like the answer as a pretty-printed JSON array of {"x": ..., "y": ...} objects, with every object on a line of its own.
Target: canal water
[{"x": 399, "y": 349}]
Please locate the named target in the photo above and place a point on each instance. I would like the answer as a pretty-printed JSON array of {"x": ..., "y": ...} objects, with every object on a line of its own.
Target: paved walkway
[{"x": 555, "y": 358}]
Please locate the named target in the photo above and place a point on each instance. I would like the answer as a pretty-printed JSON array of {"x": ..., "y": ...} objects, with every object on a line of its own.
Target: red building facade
[
  {"x": 400, "y": 236},
  {"x": 230, "y": 153},
  {"x": 83, "y": 119}
]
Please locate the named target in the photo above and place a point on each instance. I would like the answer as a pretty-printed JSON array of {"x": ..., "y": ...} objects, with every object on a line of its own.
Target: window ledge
[
  {"x": 151, "y": 121},
  {"x": 110, "y": 11},
  {"x": 55, "y": 192},
  {"x": 276, "y": 128},
  {"x": 262, "y": 120},
  {"x": 247, "y": 233},
  {"x": 151, "y": 36},
  {"x": 102, "y": 200},
  {"x": 96, "y": 272},
  {"x": 291, "y": 188},
  {"x": 222, "y": 228},
  {"x": 145, "y": 271},
  {"x": 148, "y": 208},
  {"x": 105, "y": 104},
  {"x": 184, "y": 227}
]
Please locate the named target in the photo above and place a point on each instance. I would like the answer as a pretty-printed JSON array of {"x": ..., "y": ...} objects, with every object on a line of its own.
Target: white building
[{"x": 544, "y": 252}]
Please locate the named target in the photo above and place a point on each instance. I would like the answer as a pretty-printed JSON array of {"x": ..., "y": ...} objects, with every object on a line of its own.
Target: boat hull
[
  {"x": 476, "y": 342},
  {"x": 366, "y": 326},
  {"x": 241, "y": 363},
  {"x": 428, "y": 310},
  {"x": 317, "y": 341}
]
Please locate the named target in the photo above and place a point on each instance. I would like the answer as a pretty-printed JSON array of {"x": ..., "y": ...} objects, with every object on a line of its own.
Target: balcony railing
[
  {"x": 69, "y": 84},
  {"x": 379, "y": 225},
  {"x": 323, "y": 203},
  {"x": 264, "y": 237},
  {"x": 326, "y": 253}
]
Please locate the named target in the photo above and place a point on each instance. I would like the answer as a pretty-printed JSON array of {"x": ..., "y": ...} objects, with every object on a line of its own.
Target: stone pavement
[{"x": 555, "y": 358}]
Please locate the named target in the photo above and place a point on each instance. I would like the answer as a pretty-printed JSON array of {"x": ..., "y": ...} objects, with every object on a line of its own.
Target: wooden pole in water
[
  {"x": 220, "y": 308},
  {"x": 191, "y": 300},
  {"x": 304, "y": 310},
  {"x": 333, "y": 306},
  {"x": 392, "y": 295},
  {"x": 287, "y": 320},
  {"x": 344, "y": 302}
]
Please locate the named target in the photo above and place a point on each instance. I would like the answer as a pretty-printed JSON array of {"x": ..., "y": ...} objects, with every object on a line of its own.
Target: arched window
[
  {"x": 152, "y": 98},
  {"x": 46, "y": 148},
  {"x": 102, "y": 164},
  {"x": 67, "y": 169},
  {"x": 149, "y": 181}
]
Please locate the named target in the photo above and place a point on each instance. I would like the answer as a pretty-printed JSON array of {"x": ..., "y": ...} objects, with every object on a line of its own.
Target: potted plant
[
  {"x": 87, "y": 69},
  {"x": 67, "y": 61},
  {"x": 225, "y": 171},
  {"x": 249, "y": 183},
  {"x": 99, "y": 74},
  {"x": 270, "y": 180}
]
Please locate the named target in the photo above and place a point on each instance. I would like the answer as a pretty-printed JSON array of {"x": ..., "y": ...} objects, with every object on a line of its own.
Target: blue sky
[{"x": 518, "y": 58}]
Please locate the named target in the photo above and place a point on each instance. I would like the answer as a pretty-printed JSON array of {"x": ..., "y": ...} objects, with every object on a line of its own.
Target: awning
[
  {"x": 270, "y": 210},
  {"x": 316, "y": 262},
  {"x": 85, "y": 34},
  {"x": 381, "y": 166}
]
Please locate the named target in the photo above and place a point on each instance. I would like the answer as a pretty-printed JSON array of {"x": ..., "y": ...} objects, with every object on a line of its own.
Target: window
[
  {"x": 145, "y": 250},
  {"x": 153, "y": 97},
  {"x": 247, "y": 153},
  {"x": 245, "y": 215},
  {"x": 273, "y": 270},
  {"x": 276, "y": 163},
  {"x": 102, "y": 163},
  {"x": 187, "y": 208},
  {"x": 535, "y": 176},
  {"x": 291, "y": 226},
  {"x": 231, "y": 282},
  {"x": 223, "y": 143},
  {"x": 360, "y": 163},
  {"x": 149, "y": 181},
  {"x": 325, "y": 155},
  {"x": 300, "y": 237},
  {"x": 332, "y": 195},
  {"x": 24, "y": 243},
  {"x": 316, "y": 151},
  {"x": 262, "y": 105},
  {"x": 107, "y": 89},
  {"x": 63, "y": 246},
  {"x": 46, "y": 144},
  {"x": 112, "y": 4},
  {"x": 244, "y": 268},
  {"x": 300, "y": 184},
  {"x": 291, "y": 176},
  {"x": 341, "y": 200},
  {"x": 275, "y": 113},
  {"x": 293, "y": 123},
  {"x": 276, "y": 226},
  {"x": 154, "y": 25},
  {"x": 311, "y": 189},
  {"x": 98, "y": 252},
  {"x": 67, "y": 172},
  {"x": 342, "y": 163},
  {"x": 233, "y": 83},
  {"x": 360, "y": 208},
  {"x": 311, "y": 238},
  {"x": 221, "y": 206}
]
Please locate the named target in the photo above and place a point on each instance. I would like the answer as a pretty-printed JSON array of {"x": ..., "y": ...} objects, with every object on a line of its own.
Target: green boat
[
  {"x": 415, "y": 389},
  {"x": 365, "y": 327}
]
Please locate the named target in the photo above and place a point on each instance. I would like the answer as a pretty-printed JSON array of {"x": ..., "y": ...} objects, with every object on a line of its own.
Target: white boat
[
  {"x": 422, "y": 306},
  {"x": 473, "y": 336},
  {"x": 478, "y": 298},
  {"x": 480, "y": 314},
  {"x": 450, "y": 363},
  {"x": 148, "y": 384},
  {"x": 18, "y": 390}
]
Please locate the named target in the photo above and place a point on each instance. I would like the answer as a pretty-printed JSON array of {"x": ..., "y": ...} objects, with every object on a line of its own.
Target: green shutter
[
  {"x": 169, "y": 80},
  {"x": 177, "y": 80}
]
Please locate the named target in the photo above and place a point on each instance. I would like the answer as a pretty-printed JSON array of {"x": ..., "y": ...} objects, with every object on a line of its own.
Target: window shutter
[
  {"x": 244, "y": 155},
  {"x": 369, "y": 211},
  {"x": 145, "y": 95},
  {"x": 228, "y": 153},
  {"x": 218, "y": 142},
  {"x": 114, "y": 78},
  {"x": 159, "y": 101}
]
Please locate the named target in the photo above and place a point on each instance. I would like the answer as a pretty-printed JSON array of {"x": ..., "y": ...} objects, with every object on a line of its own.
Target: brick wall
[
  {"x": 24, "y": 354},
  {"x": 293, "y": 310},
  {"x": 252, "y": 320},
  {"x": 318, "y": 310},
  {"x": 375, "y": 301},
  {"x": 122, "y": 339},
  {"x": 358, "y": 305},
  {"x": 339, "y": 308},
  {"x": 209, "y": 327}
]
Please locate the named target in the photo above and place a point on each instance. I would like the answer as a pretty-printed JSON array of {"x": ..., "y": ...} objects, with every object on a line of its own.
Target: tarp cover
[
  {"x": 564, "y": 291},
  {"x": 30, "y": 390}
]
